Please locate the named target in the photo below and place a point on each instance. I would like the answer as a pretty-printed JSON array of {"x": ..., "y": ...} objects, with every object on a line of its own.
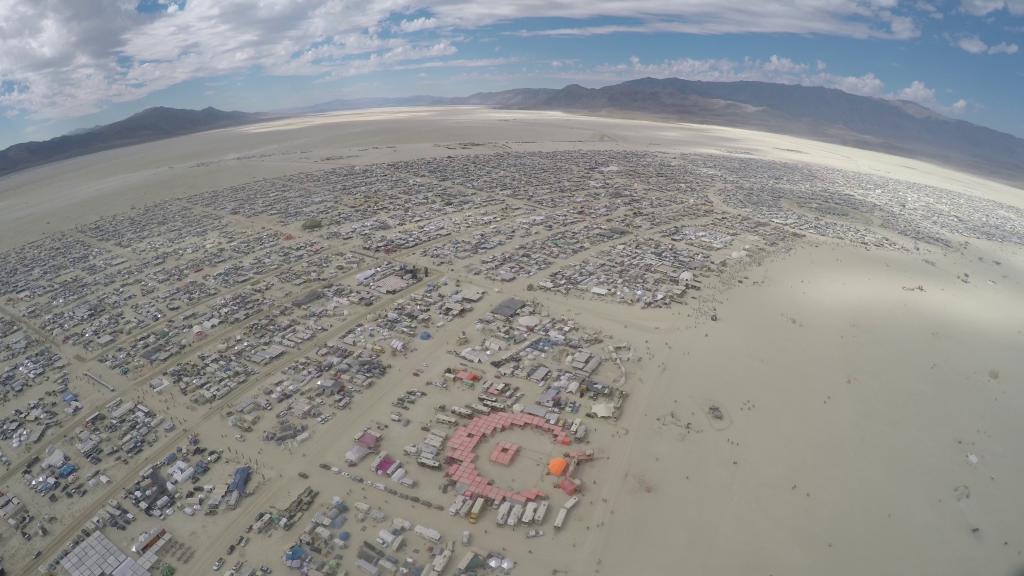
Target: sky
[{"x": 71, "y": 64}]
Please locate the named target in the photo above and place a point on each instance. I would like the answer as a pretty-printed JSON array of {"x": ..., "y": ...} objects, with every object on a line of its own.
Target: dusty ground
[{"x": 850, "y": 403}]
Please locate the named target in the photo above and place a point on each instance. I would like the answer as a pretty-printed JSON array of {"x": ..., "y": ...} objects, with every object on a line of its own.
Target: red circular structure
[{"x": 461, "y": 452}]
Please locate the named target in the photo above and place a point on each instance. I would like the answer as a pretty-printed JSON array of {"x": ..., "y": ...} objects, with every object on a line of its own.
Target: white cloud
[
  {"x": 69, "y": 57},
  {"x": 774, "y": 69},
  {"x": 917, "y": 92},
  {"x": 417, "y": 24},
  {"x": 929, "y": 9},
  {"x": 783, "y": 65},
  {"x": 975, "y": 45},
  {"x": 972, "y": 44},
  {"x": 985, "y": 7},
  {"x": 1003, "y": 48},
  {"x": 855, "y": 18}
]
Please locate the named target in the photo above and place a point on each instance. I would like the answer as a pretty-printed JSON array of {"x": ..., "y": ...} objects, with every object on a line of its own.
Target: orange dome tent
[{"x": 557, "y": 466}]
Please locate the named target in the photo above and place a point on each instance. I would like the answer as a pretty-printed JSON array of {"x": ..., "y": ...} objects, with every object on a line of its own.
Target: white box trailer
[
  {"x": 428, "y": 533},
  {"x": 542, "y": 509},
  {"x": 503, "y": 511},
  {"x": 474, "y": 513},
  {"x": 571, "y": 502},
  {"x": 454, "y": 508},
  {"x": 531, "y": 509},
  {"x": 428, "y": 462},
  {"x": 514, "y": 515},
  {"x": 560, "y": 519},
  {"x": 446, "y": 420},
  {"x": 466, "y": 507}
]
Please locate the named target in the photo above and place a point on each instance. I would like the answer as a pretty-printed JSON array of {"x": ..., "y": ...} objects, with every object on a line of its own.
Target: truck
[
  {"x": 503, "y": 511},
  {"x": 531, "y": 509},
  {"x": 542, "y": 509},
  {"x": 454, "y": 508},
  {"x": 428, "y": 462},
  {"x": 474, "y": 513},
  {"x": 446, "y": 420},
  {"x": 514, "y": 515},
  {"x": 427, "y": 533},
  {"x": 466, "y": 506},
  {"x": 495, "y": 405},
  {"x": 560, "y": 519}
]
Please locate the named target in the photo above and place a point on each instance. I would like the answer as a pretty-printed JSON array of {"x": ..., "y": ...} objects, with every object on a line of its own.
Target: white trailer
[
  {"x": 503, "y": 511},
  {"x": 531, "y": 509},
  {"x": 466, "y": 507},
  {"x": 446, "y": 420},
  {"x": 542, "y": 509},
  {"x": 571, "y": 502},
  {"x": 428, "y": 462},
  {"x": 514, "y": 515},
  {"x": 454, "y": 508},
  {"x": 474, "y": 513},
  {"x": 560, "y": 519},
  {"x": 428, "y": 533}
]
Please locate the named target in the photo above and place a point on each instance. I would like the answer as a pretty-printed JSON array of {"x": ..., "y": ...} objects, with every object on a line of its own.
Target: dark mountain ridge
[
  {"x": 895, "y": 126},
  {"x": 145, "y": 126}
]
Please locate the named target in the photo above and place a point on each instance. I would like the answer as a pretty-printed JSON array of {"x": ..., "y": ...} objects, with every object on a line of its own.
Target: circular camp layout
[{"x": 460, "y": 453}]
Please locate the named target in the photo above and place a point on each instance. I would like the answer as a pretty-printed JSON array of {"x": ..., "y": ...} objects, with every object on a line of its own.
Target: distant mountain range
[
  {"x": 148, "y": 125},
  {"x": 360, "y": 103},
  {"x": 895, "y": 126}
]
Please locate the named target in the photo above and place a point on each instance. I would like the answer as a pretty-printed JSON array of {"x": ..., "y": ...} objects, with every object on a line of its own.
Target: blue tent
[
  {"x": 294, "y": 553},
  {"x": 425, "y": 335},
  {"x": 344, "y": 536},
  {"x": 241, "y": 479}
]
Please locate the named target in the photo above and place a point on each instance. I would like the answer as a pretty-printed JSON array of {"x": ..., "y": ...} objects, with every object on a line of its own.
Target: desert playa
[{"x": 797, "y": 358}]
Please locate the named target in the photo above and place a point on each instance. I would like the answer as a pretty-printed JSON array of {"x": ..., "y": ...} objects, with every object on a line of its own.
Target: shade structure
[{"x": 557, "y": 466}]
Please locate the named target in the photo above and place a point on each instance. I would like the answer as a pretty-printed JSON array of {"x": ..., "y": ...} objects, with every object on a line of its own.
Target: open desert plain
[{"x": 465, "y": 340}]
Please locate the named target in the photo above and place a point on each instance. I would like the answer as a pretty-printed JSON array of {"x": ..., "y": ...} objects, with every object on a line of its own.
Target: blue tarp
[
  {"x": 294, "y": 553},
  {"x": 241, "y": 479}
]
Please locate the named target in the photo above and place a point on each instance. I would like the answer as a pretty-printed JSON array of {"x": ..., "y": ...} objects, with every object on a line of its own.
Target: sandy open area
[{"x": 852, "y": 402}]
